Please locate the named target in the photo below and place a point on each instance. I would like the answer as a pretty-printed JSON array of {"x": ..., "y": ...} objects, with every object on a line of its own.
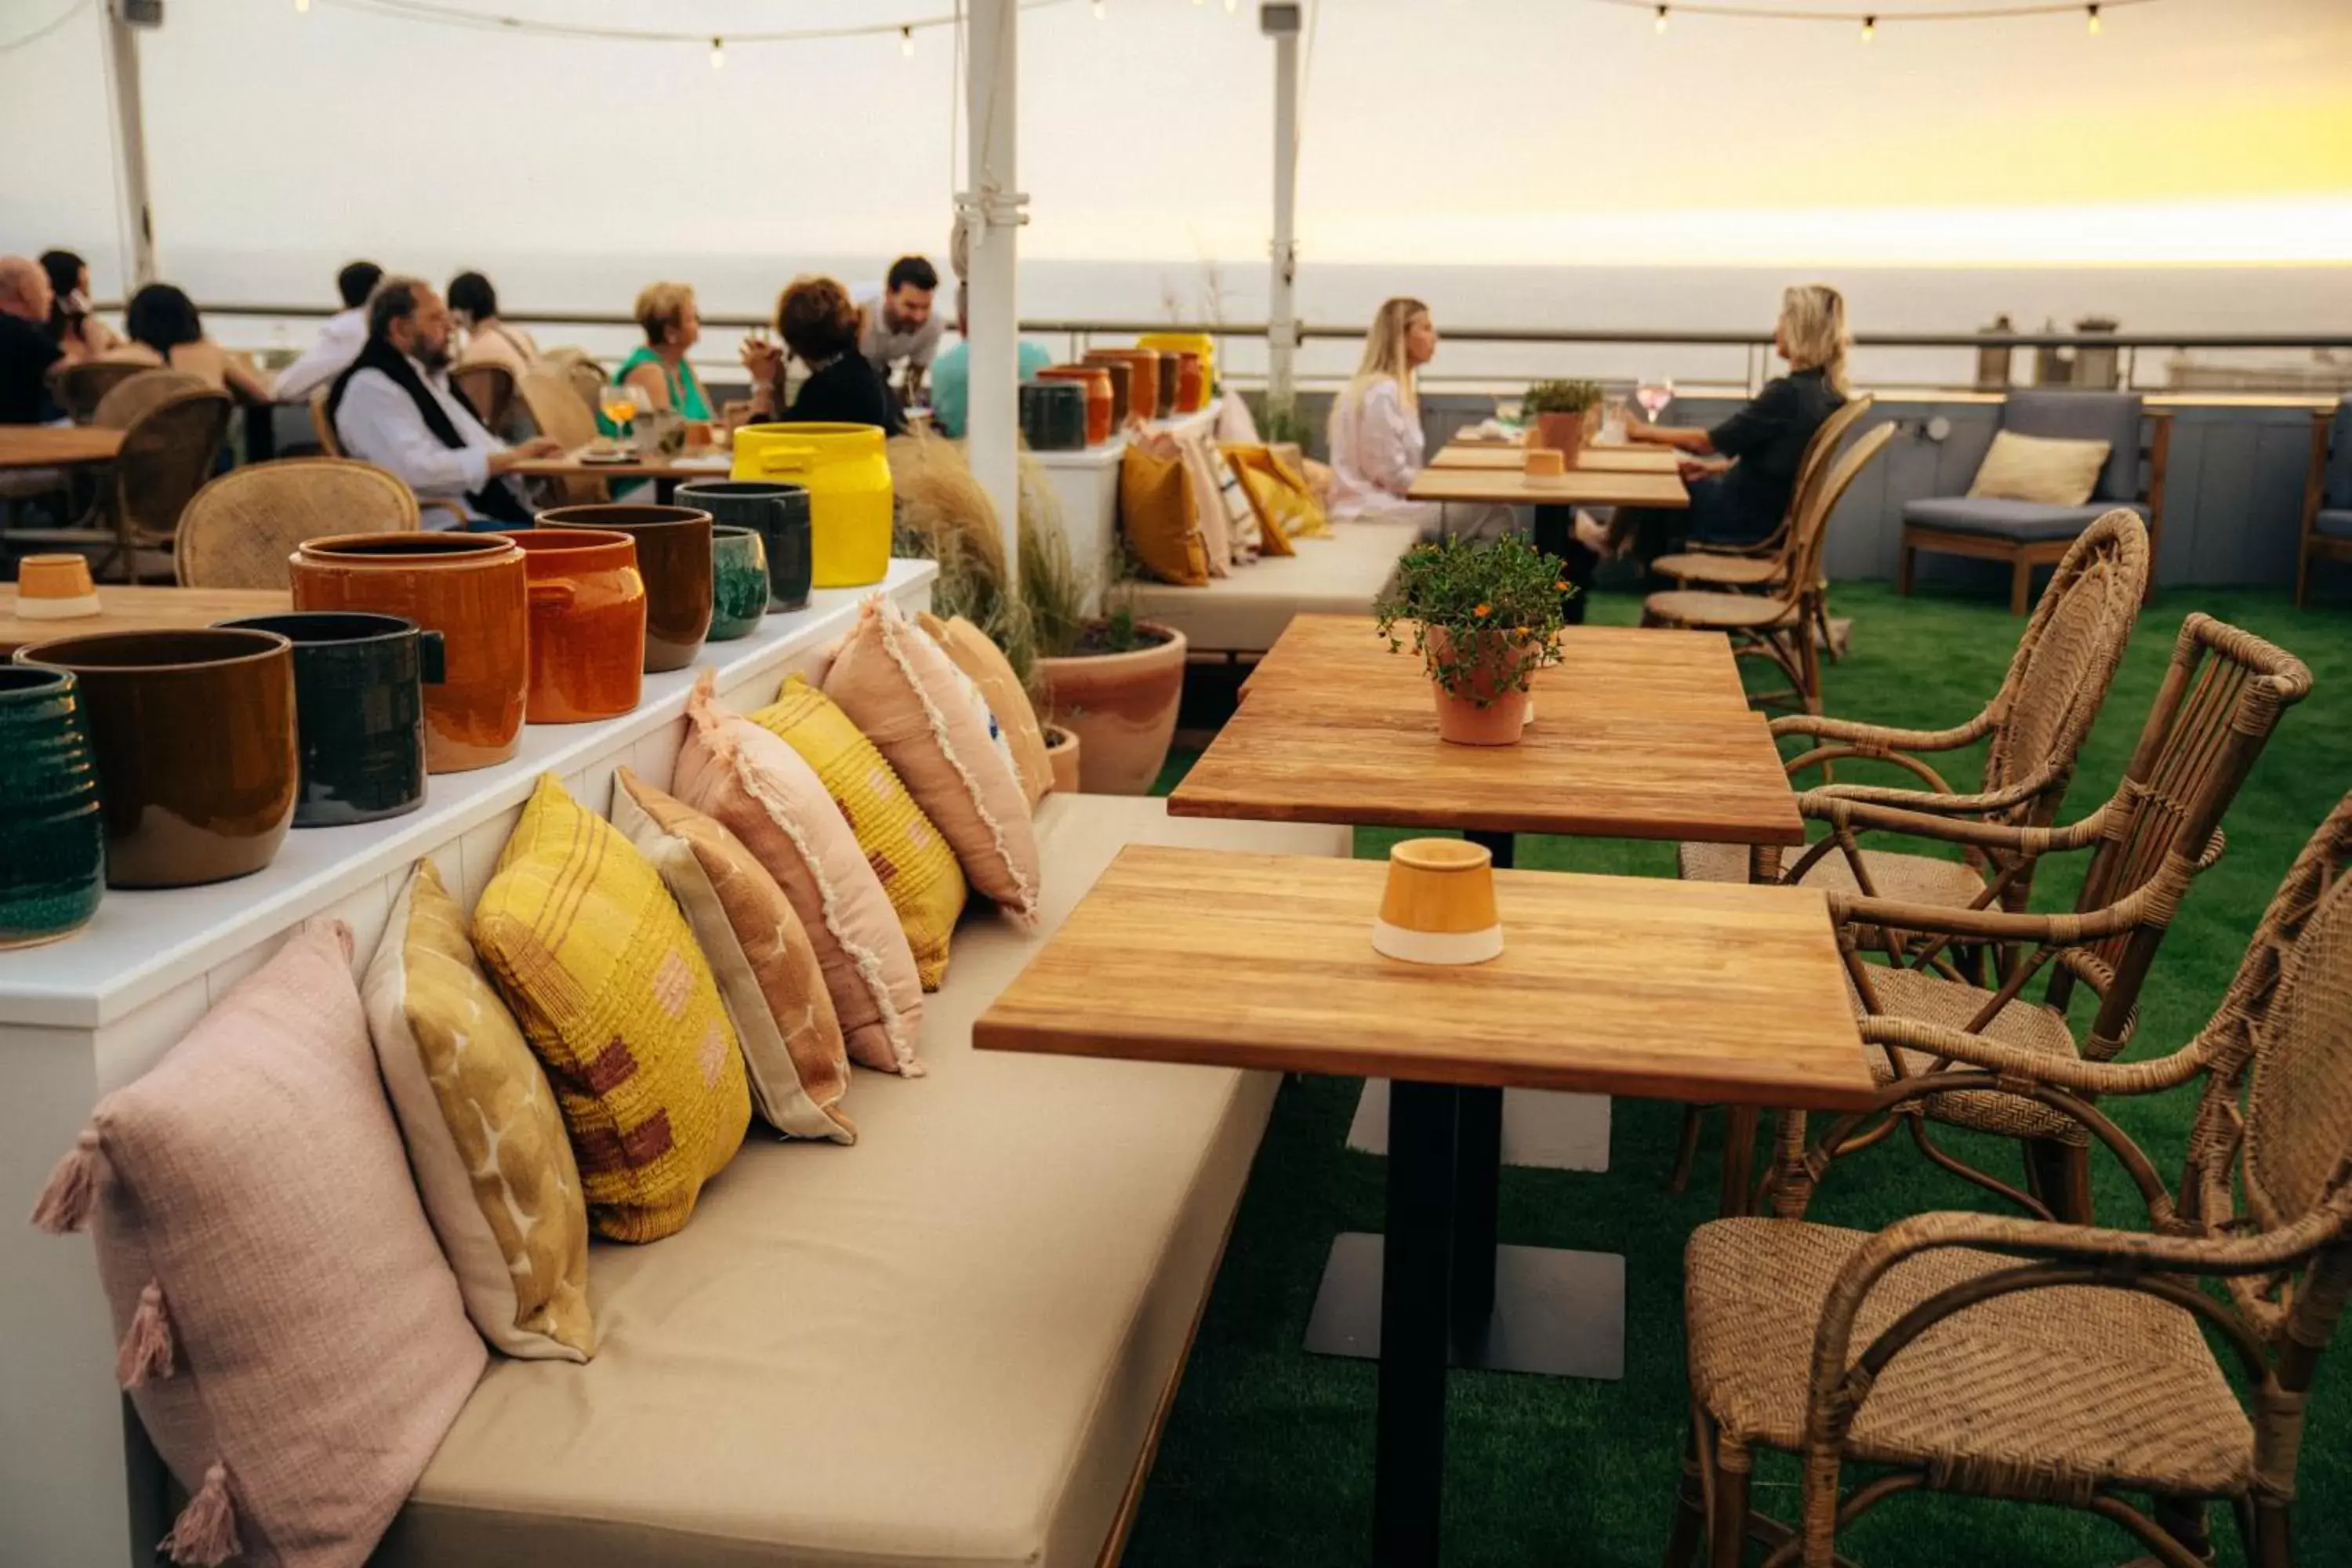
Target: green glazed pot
[
  {"x": 52, "y": 834},
  {"x": 739, "y": 582}
]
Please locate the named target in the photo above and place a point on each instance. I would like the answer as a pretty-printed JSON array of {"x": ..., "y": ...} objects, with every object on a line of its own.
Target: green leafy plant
[
  {"x": 1483, "y": 616},
  {"x": 1561, "y": 397},
  {"x": 1284, "y": 425}
]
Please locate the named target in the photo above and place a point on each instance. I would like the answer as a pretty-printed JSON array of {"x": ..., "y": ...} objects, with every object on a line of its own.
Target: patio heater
[{"x": 1280, "y": 22}]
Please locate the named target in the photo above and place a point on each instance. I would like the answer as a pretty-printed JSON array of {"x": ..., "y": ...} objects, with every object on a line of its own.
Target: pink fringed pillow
[
  {"x": 926, "y": 717},
  {"x": 291, "y": 1335},
  {"x": 756, "y": 787}
]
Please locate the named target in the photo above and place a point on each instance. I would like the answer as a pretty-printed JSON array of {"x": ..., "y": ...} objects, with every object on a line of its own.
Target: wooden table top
[
  {"x": 1616, "y": 986},
  {"x": 1620, "y": 460},
  {"x": 57, "y": 446},
  {"x": 703, "y": 465},
  {"x": 1578, "y": 486},
  {"x": 1638, "y": 734},
  {"x": 131, "y": 609}
]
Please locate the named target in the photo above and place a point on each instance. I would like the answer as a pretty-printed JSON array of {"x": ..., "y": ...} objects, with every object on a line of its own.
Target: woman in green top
[{"x": 659, "y": 370}]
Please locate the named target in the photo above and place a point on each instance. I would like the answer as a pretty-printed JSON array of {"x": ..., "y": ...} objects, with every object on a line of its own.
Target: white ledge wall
[{"x": 86, "y": 1016}]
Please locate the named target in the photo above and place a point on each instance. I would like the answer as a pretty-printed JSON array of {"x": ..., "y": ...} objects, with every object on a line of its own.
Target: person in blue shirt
[{"x": 950, "y": 377}]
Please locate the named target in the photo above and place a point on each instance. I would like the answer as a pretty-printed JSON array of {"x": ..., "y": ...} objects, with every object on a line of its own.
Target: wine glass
[
  {"x": 620, "y": 405},
  {"x": 1654, "y": 396}
]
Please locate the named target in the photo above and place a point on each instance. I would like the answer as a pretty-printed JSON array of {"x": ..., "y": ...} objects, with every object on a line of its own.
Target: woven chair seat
[
  {"x": 1908, "y": 993},
  {"x": 1726, "y": 571},
  {"x": 2043, "y": 1394},
  {"x": 1693, "y": 608},
  {"x": 1911, "y": 878}
]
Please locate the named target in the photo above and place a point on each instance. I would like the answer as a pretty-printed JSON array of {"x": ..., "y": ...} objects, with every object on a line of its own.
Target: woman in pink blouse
[{"x": 1375, "y": 435}]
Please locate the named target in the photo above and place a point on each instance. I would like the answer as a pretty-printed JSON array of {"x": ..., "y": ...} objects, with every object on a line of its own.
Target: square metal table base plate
[
  {"x": 1556, "y": 1313},
  {"x": 1543, "y": 1130}
]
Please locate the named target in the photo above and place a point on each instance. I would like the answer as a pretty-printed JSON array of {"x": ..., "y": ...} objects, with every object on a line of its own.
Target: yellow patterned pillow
[
  {"x": 917, "y": 868},
  {"x": 485, "y": 1140},
  {"x": 607, "y": 981},
  {"x": 1279, "y": 493}
]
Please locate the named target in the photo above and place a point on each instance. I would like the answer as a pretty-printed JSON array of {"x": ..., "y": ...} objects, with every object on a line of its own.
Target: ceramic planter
[
  {"x": 52, "y": 831},
  {"x": 587, "y": 623},
  {"x": 1143, "y": 379},
  {"x": 1563, "y": 433},
  {"x": 1191, "y": 383},
  {"x": 673, "y": 559},
  {"x": 1171, "y": 386},
  {"x": 1101, "y": 408},
  {"x": 193, "y": 732},
  {"x": 1062, "y": 753},
  {"x": 1121, "y": 707},
  {"x": 468, "y": 587},
  {"x": 847, "y": 479},
  {"x": 1119, "y": 374},
  {"x": 739, "y": 583},
  {"x": 359, "y": 704},
  {"x": 1481, "y": 710},
  {"x": 1054, "y": 416},
  {"x": 779, "y": 514}
]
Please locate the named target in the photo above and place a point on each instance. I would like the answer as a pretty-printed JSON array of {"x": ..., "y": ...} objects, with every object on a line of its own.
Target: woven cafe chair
[
  {"x": 167, "y": 455},
  {"x": 2222, "y": 697},
  {"x": 239, "y": 530},
  {"x": 1778, "y": 625},
  {"x": 80, "y": 388},
  {"x": 2033, "y": 728},
  {"x": 122, "y": 405},
  {"x": 555, "y": 409},
  {"x": 2058, "y": 1364},
  {"x": 488, "y": 391},
  {"x": 1764, "y": 562},
  {"x": 322, "y": 426}
]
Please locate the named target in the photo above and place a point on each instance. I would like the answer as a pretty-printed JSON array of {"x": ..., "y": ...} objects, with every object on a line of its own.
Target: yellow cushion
[
  {"x": 2039, "y": 469},
  {"x": 1016, "y": 716},
  {"x": 1155, "y": 513},
  {"x": 1280, "y": 492},
  {"x": 917, "y": 866},
  {"x": 616, "y": 998},
  {"x": 485, "y": 1140}
]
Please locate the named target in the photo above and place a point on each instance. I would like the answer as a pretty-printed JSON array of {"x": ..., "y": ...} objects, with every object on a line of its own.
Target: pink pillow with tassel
[{"x": 291, "y": 1336}]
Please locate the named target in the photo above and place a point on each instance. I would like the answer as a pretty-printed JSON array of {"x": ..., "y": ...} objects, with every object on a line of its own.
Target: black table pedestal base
[{"x": 1556, "y": 1313}]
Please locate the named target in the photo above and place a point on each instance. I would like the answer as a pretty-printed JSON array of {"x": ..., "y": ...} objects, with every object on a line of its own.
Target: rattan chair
[
  {"x": 239, "y": 529},
  {"x": 135, "y": 394},
  {"x": 322, "y": 426},
  {"x": 1779, "y": 625},
  {"x": 2326, "y": 496},
  {"x": 2222, "y": 698},
  {"x": 555, "y": 409},
  {"x": 489, "y": 391},
  {"x": 1765, "y": 562},
  {"x": 2058, "y": 1364},
  {"x": 80, "y": 388},
  {"x": 168, "y": 452}
]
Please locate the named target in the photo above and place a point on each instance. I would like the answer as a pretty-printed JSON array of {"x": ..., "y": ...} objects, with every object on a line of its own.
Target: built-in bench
[{"x": 1242, "y": 614}]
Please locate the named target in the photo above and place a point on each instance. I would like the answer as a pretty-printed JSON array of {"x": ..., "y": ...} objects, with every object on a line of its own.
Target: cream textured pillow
[
  {"x": 485, "y": 1136},
  {"x": 921, "y": 713},
  {"x": 290, "y": 1337},
  {"x": 765, "y": 793},
  {"x": 2038, "y": 468},
  {"x": 1016, "y": 716},
  {"x": 768, "y": 973}
]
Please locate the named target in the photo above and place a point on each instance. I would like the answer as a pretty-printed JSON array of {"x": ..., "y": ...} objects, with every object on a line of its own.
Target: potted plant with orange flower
[{"x": 1484, "y": 617}]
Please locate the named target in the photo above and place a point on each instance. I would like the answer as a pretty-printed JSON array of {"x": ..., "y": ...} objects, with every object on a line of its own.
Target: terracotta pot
[
  {"x": 1563, "y": 433},
  {"x": 469, "y": 587},
  {"x": 587, "y": 623},
  {"x": 1101, "y": 411},
  {"x": 1191, "y": 384},
  {"x": 1461, "y": 719},
  {"x": 52, "y": 831},
  {"x": 1121, "y": 707},
  {"x": 739, "y": 582},
  {"x": 193, "y": 731},
  {"x": 1062, "y": 753},
  {"x": 674, "y": 558},
  {"x": 1143, "y": 385}
]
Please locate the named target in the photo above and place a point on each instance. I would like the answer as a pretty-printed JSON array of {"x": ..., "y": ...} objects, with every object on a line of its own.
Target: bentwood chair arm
[
  {"x": 1975, "y": 804},
  {"x": 2056, "y": 930},
  {"x": 1859, "y": 733},
  {"x": 1867, "y": 816},
  {"x": 2147, "y": 1076}
]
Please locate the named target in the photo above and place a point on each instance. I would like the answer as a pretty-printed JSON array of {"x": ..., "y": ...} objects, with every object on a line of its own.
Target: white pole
[
  {"x": 130, "y": 143},
  {"x": 992, "y": 209},
  {"x": 1280, "y": 22}
]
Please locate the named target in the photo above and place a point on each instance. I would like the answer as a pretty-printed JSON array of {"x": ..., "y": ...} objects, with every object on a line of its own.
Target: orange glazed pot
[
  {"x": 587, "y": 623},
  {"x": 1143, "y": 379},
  {"x": 1096, "y": 381},
  {"x": 469, "y": 587},
  {"x": 1191, "y": 383}
]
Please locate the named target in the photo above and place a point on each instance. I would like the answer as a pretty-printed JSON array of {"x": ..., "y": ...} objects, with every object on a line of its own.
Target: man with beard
[{"x": 394, "y": 407}]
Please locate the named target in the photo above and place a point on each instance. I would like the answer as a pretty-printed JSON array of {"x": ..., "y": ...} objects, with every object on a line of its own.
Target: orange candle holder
[
  {"x": 1439, "y": 905},
  {"x": 55, "y": 588}
]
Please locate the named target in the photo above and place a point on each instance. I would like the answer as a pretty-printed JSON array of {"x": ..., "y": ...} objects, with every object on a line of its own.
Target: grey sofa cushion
[
  {"x": 2335, "y": 522},
  {"x": 2018, "y": 519},
  {"x": 2338, "y": 492},
  {"x": 2110, "y": 416}
]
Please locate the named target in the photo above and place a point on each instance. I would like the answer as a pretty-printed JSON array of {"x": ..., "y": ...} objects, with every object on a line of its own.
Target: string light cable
[
  {"x": 1876, "y": 12},
  {"x": 25, "y": 40},
  {"x": 440, "y": 14}
]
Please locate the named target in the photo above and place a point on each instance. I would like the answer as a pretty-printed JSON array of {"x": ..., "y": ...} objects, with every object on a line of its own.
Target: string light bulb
[
  {"x": 717, "y": 54},
  {"x": 1231, "y": 6},
  {"x": 1101, "y": 10},
  {"x": 907, "y": 42},
  {"x": 2095, "y": 21},
  {"x": 302, "y": 7},
  {"x": 1661, "y": 21},
  {"x": 1869, "y": 28}
]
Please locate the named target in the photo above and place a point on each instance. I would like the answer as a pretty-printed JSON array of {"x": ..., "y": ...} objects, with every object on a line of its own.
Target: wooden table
[
  {"x": 1605, "y": 984},
  {"x": 57, "y": 446},
  {"x": 131, "y": 609},
  {"x": 1578, "y": 487},
  {"x": 1617, "y": 459},
  {"x": 666, "y": 472}
]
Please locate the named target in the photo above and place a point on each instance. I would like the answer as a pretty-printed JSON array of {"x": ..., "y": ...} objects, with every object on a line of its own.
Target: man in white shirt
[
  {"x": 339, "y": 341},
  {"x": 394, "y": 407},
  {"x": 897, "y": 325}
]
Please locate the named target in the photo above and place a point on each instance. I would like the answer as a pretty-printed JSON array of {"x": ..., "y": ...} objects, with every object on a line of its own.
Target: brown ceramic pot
[
  {"x": 1143, "y": 379},
  {"x": 674, "y": 558},
  {"x": 1191, "y": 383},
  {"x": 1171, "y": 386},
  {"x": 469, "y": 587},
  {"x": 1096, "y": 381},
  {"x": 193, "y": 732},
  {"x": 1121, "y": 707},
  {"x": 587, "y": 623}
]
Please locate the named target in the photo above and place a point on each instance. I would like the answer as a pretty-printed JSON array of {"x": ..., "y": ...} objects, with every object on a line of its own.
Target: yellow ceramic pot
[{"x": 848, "y": 484}]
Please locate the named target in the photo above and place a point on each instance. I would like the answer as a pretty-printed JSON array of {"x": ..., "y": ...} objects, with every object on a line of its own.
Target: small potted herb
[
  {"x": 1484, "y": 617},
  {"x": 1565, "y": 413}
]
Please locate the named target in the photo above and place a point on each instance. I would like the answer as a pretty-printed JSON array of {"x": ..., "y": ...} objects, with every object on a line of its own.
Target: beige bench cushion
[
  {"x": 1341, "y": 575},
  {"x": 944, "y": 1346}
]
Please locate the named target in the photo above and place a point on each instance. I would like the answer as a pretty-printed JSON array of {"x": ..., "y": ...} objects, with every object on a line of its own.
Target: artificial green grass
[{"x": 1268, "y": 1458}]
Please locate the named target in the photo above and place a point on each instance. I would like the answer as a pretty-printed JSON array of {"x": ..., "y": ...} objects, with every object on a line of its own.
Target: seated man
[
  {"x": 394, "y": 407},
  {"x": 951, "y": 375},
  {"x": 339, "y": 339},
  {"x": 26, "y": 350},
  {"x": 899, "y": 326}
]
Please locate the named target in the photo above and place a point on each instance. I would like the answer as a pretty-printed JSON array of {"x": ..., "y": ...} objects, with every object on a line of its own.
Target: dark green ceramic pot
[
  {"x": 52, "y": 833},
  {"x": 359, "y": 705},
  {"x": 739, "y": 582}
]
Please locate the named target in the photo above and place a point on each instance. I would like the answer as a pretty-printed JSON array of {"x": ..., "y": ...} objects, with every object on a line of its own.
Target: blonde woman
[
  {"x": 659, "y": 369},
  {"x": 1375, "y": 434}
]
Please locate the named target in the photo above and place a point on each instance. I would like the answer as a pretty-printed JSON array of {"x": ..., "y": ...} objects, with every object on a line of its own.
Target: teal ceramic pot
[
  {"x": 739, "y": 583},
  {"x": 52, "y": 831}
]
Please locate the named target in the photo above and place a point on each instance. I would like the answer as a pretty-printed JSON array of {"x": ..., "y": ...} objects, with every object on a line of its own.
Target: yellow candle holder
[
  {"x": 1439, "y": 905},
  {"x": 55, "y": 588}
]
